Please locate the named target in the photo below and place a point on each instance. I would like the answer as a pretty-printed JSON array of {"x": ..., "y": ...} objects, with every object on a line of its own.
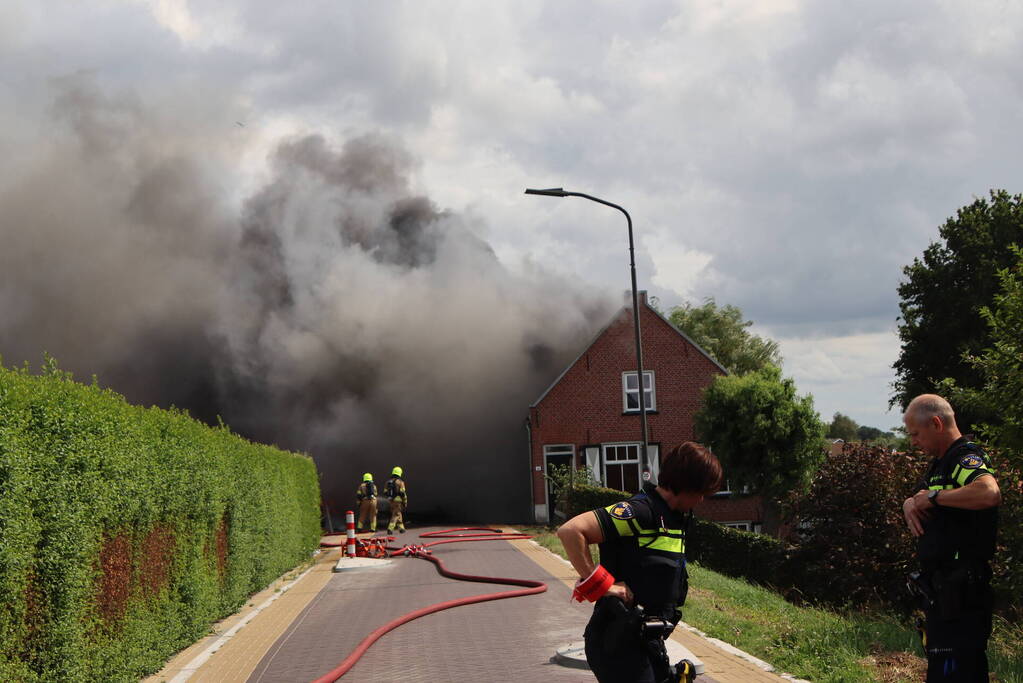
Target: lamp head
[{"x": 549, "y": 192}]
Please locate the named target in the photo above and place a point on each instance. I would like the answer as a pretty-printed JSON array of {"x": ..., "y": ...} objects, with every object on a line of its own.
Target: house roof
[{"x": 608, "y": 325}]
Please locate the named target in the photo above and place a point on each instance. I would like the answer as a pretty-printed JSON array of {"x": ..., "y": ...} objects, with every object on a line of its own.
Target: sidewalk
[{"x": 315, "y": 623}]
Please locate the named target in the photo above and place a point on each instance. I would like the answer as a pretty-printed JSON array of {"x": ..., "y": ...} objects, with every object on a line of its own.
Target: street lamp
[{"x": 558, "y": 192}]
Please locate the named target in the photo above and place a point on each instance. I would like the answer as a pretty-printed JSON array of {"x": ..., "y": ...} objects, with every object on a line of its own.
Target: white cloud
[
  {"x": 676, "y": 267},
  {"x": 846, "y": 374}
]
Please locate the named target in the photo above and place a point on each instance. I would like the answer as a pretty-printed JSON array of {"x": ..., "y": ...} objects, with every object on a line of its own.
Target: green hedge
[
  {"x": 126, "y": 531},
  {"x": 757, "y": 558}
]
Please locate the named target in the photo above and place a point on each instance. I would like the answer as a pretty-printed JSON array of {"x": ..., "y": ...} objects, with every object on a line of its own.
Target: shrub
[
  {"x": 580, "y": 497},
  {"x": 755, "y": 557},
  {"x": 854, "y": 546},
  {"x": 126, "y": 531},
  {"x": 1008, "y": 561}
]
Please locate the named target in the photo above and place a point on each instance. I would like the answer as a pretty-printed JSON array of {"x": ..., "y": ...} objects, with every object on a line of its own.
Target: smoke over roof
[{"x": 332, "y": 311}]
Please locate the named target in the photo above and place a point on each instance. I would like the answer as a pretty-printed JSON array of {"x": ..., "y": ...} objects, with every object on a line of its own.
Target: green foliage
[
  {"x": 943, "y": 296},
  {"x": 723, "y": 334},
  {"x": 842, "y": 427},
  {"x": 765, "y": 436},
  {"x": 754, "y": 557},
  {"x": 875, "y": 435},
  {"x": 1000, "y": 365},
  {"x": 582, "y": 496},
  {"x": 1000, "y": 400},
  {"x": 125, "y": 531},
  {"x": 808, "y": 642}
]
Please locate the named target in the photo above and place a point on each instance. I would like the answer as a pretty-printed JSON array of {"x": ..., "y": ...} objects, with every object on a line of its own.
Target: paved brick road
[{"x": 503, "y": 640}]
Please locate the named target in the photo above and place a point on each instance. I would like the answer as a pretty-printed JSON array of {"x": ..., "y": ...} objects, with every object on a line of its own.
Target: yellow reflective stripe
[
  {"x": 968, "y": 473},
  {"x": 940, "y": 487},
  {"x": 622, "y": 526},
  {"x": 667, "y": 544}
]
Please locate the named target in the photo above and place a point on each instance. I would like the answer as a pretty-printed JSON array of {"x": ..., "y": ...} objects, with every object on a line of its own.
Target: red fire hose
[{"x": 421, "y": 552}]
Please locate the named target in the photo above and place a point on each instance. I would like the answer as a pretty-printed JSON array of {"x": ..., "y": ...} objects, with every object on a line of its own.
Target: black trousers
[
  {"x": 627, "y": 665},
  {"x": 956, "y": 648},
  {"x": 958, "y": 667},
  {"x": 958, "y": 625},
  {"x": 614, "y": 650}
]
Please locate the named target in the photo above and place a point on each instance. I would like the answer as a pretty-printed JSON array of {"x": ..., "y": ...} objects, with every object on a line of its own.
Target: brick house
[{"x": 590, "y": 414}]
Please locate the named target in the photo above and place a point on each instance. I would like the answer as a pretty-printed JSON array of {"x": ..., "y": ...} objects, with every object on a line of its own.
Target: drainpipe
[{"x": 529, "y": 460}]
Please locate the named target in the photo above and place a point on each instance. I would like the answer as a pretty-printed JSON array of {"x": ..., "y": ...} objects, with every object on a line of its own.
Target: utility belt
[
  {"x": 951, "y": 589},
  {"x": 624, "y": 626}
]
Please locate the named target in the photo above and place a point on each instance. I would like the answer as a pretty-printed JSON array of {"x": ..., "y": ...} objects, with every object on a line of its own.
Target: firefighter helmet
[
  {"x": 367, "y": 477},
  {"x": 397, "y": 472}
]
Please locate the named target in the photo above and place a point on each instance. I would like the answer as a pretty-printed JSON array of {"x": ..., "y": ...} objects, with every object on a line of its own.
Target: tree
[
  {"x": 1000, "y": 401},
  {"x": 842, "y": 427},
  {"x": 944, "y": 293},
  {"x": 1001, "y": 364},
  {"x": 766, "y": 437},
  {"x": 865, "y": 433},
  {"x": 723, "y": 334}
]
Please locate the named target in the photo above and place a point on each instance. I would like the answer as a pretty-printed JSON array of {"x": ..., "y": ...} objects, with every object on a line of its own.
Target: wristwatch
[{"x": 932, "y": 497}]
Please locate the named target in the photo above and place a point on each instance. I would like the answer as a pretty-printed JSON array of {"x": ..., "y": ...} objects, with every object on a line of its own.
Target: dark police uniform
[
  {"x": 954, "y": 553},
  {"x": 644, "y": 546}
]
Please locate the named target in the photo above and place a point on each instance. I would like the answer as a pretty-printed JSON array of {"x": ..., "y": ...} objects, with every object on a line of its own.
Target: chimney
[{"x": 641, "y": 295}]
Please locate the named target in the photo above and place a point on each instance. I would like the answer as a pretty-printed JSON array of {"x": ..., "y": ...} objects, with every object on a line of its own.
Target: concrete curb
[
  {"x": 189, "y": 669},
  {"x": 719, "y": 644},
  {"x": 732, "y": 650}
]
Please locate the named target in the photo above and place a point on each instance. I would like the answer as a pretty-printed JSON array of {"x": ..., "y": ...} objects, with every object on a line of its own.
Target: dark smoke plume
[{"x": 336, "y": 312}]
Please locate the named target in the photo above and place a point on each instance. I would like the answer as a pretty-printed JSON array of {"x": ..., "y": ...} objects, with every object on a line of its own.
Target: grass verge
[{"x": 811, "y": 643}]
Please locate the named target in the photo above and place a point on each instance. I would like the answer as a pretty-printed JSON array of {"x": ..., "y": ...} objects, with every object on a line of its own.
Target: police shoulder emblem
[
  {"x": 622, "y": 511},
  {"x": 971, "y": 461}
]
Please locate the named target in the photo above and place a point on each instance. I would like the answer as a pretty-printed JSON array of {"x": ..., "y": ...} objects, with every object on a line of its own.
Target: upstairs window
[{"x": 630, "y": 392}]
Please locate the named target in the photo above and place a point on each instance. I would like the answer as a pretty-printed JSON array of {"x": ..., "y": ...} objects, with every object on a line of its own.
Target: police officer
[
  {"x": 641, "y": 583},
  {"x": 954, "y": 516},
  {"x": 395, "y": 492},
  {"x": 366, "y": 494}
]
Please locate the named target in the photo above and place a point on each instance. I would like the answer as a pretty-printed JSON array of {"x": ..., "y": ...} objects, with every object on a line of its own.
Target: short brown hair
[{"x": 692, "y": 468}]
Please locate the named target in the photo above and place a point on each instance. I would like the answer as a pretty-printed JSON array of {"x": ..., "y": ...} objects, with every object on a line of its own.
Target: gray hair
[{"x": 926, "y": 406}]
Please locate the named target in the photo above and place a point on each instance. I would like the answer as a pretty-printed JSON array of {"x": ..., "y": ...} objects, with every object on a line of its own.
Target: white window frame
[
  {"x": 742, "y": 526},
  {"x": 649, "y": 386},
  {"x": 604, "y": 461}
]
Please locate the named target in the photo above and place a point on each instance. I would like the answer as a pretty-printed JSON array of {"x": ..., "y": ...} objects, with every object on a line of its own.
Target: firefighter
[
  {"x": 954, "y": 515},
  {"x": 641, "y": 583},
  {"x": 367, "y": 497},
  {"x": 395, "y": 492}
]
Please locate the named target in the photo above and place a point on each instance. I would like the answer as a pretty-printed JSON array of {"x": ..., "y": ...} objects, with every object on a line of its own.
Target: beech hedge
[{"x": 125, "y": 532}]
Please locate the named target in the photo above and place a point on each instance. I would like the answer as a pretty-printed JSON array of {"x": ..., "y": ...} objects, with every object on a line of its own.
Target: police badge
[{"x": 622, "y": 511}]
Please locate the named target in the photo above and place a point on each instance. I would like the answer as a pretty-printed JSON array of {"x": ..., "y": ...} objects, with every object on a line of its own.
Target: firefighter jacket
[
  {"x": 366, "y": 490},
  {"x": 953, "y": 534},
  {"x": 644, "y": 546}
]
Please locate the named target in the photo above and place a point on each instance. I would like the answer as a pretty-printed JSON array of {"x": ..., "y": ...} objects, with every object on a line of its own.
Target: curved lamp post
[{"x": 558, "y": 192}]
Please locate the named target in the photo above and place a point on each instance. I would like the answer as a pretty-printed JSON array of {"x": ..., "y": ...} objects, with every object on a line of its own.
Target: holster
[
  {"x": 919, "y": 588},
  {"x": 627, "y": 627},
  {"x": 622, "y": 624}
]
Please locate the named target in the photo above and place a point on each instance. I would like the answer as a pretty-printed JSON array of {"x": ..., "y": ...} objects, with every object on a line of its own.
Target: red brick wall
[
  {"x": 585, "y": 406},
  {"x": 731, "y": 509}
]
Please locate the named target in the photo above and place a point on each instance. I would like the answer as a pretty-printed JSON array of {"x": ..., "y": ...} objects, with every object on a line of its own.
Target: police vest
[
  {"x": 644, "y": 546},
  {"x": 953, "y": 534}
]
